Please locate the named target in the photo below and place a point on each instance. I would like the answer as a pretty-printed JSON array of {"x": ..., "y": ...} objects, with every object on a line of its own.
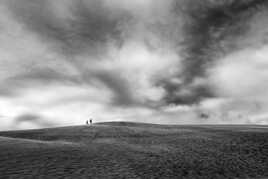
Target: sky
[{"x": 158, "y": 61}]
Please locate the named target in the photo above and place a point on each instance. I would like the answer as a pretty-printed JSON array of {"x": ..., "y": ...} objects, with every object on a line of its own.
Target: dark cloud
[
  {"x": 45, "y": 76},
  {"x": 86, "y": 26},
  {"x": 14, "y": 85},
  {"x": 185, "y": 94},
  {"x": 122, "y": 93},
  {"x": 114, "y": 81},
  {"x": 7, "y": 92},
  {"x": 211, "y": 30},
  {"x": 141, "y": 54},
  {"x": 34, "y": 119}
]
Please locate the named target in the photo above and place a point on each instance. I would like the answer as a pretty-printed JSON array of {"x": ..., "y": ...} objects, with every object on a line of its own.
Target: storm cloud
[
  {"x": 117, "y": 59},
  {"x": 211, "y": 30},
  {"x": 32, "y": 119}
]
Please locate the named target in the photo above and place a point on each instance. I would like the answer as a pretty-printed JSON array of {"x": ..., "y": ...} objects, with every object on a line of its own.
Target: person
[
  {"x": 90, "y": 121},
  {"x": 87, "y": 122}
]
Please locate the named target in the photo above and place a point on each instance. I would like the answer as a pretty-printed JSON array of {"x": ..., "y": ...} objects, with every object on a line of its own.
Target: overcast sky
[{"x": 159, "y": 61}]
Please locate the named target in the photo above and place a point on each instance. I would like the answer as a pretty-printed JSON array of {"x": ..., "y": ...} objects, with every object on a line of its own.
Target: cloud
[
  {"x": 32, "y": 119},
  {"x": 123, "y": 59},
  {"x": 212, "y": 29},
  {"x": 69, "y": 26},
  {"x": 86, "y": 25},
  {"x": 240, "y": 77},
  {"x": 242, "y": 74}
]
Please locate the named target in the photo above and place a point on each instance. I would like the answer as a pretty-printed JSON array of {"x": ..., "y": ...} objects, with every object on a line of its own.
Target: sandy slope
[{"x": 134, "y": 150}]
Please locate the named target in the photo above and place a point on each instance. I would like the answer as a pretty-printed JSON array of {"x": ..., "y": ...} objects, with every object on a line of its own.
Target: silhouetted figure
[
  {"x": 87, "y": 122},
  {"x": 90, "y": 121}
]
